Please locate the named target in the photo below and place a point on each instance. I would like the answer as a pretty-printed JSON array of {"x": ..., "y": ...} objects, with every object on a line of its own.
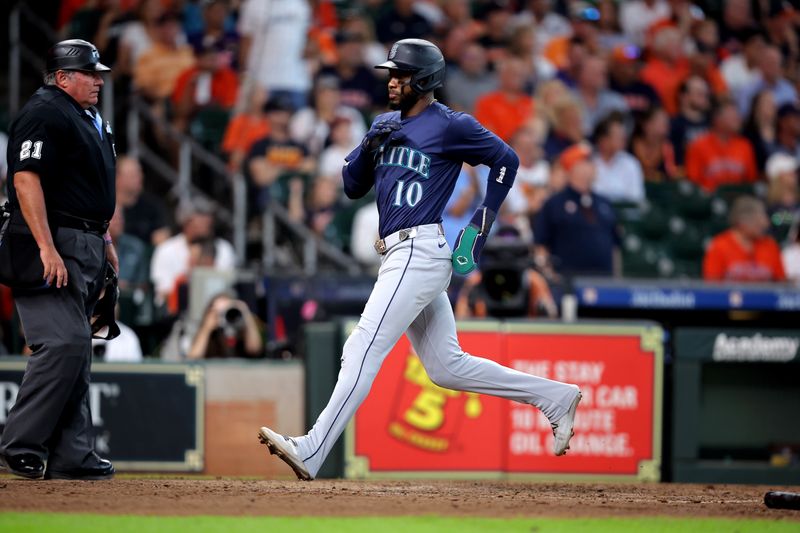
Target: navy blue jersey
[{"x": 415, "y": 177}]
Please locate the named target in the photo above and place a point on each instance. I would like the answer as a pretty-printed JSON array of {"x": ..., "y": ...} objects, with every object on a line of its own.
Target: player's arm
[
  {"x": 358, "y": 172},
  {"x": 474, "y": 144}
]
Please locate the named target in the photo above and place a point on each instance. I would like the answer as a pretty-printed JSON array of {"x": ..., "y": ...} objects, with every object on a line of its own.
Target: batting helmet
[
  {"x": 420, "y": 57},
  {"x": 74, "y": 54}
]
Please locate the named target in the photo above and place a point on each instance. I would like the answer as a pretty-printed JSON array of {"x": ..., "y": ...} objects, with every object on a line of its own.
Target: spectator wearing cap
[
  {"x": 576, "y": 230},
  {"x": 787, "y": 130},
  {"x": 209, "y": 83},
  {"x": 470, "y": 79},
  {"x": 721, "y": 156},
  {"x": 359, "y": 88},
  {"x": 694, "y": 104},
  {"x": 276, "y": 155},
  {"x": 509, "y": 107},
  {"x": 744, "y": 253},
  {"x": 783, "y": 196},
  {"x": 400, "y": 21},
  {"x": 636, "y": 16},
  {"x": 218, "y": 32},
  {"x": 596, "y": 100},
  {"x": 623, "y": 69},
  {"x": 619, "y": 174},
  {"x": 311, "y": 126},
  {"x": 771, "y": 78},
  {"x": 273, "y": 43},
  {"x": 761, "y": 126},
  {"x": 741, "y": 70},
  {"x": 171, "y": 258},
  {"x": 157, "y": 70}
]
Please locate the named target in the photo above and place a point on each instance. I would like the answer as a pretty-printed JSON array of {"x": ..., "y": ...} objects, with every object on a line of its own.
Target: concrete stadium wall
[{"x": 240, "y": 398}]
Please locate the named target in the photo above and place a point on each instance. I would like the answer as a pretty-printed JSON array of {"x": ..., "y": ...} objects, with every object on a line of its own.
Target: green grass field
[{"x": 87, "y": 523}]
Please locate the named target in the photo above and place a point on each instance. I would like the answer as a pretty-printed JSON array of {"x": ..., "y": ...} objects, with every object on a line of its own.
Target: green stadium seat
[
  {"x": 208, "y": 127},
  {"x": 730, "y": 192},
  {"x": 654, "y": 223},
  {"x": 660, "y": 192},
  {"x": 692, "y": 202}
]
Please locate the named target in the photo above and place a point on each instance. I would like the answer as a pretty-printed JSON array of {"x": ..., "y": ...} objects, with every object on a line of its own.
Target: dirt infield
[{"x": 173, "y": 496}]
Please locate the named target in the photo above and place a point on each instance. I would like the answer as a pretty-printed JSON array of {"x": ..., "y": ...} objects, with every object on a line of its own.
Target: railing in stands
[{"x": 190, "y": 154}]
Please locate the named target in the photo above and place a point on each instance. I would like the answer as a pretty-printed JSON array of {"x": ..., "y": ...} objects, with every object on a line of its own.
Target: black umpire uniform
[{"x": 49, "y": 429}]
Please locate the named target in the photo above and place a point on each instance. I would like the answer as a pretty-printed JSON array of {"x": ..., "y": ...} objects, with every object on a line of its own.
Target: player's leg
[
  {"x": 408, "y": 280},
  {"x": 433, "y": 335}
]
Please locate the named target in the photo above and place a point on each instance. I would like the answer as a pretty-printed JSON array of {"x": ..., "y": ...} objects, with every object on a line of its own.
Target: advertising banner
[
  {"x": 145, "y": 416},
  {"x": 410, "y": 427}
]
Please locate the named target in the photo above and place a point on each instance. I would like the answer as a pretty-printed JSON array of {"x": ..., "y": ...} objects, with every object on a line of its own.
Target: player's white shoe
[
  {"x": 562, "y": 430},
  {"x": 286, "y": 450}
]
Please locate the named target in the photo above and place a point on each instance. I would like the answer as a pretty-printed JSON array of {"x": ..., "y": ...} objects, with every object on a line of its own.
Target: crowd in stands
[{"x": 656, "y": 138}]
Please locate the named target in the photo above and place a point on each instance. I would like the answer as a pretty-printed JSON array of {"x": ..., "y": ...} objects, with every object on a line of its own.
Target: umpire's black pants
[{"x": 51, "y": 417}]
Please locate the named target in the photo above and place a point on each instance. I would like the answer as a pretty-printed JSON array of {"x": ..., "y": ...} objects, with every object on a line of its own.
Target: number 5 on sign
[{"x": 25, "y": 151}]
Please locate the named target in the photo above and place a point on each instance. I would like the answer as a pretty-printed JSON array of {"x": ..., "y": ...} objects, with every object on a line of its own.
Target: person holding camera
[{"x": 228, "y": 329}]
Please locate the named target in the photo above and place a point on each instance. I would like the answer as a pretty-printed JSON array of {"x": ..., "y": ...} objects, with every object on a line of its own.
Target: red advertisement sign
[{"x": 408, "y": 424}]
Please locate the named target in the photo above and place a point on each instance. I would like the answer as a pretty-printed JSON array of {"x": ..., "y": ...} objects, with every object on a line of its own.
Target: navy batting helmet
[
  {"x": 420, "y": 57},
  {"x": 74, "y": 54}
]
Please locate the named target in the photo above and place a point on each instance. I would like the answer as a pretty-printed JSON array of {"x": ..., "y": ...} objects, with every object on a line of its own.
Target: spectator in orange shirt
[
  {"x": 245, "y": 128},
  {"x": 667, "y": 67},
  {"x": 744, "y": 252},
  {"x": 505, "y": 110},
  {"x": 157, "y": 70},
  {"x": 721, "y": 156},
  {"x": 209, "y": 83}
]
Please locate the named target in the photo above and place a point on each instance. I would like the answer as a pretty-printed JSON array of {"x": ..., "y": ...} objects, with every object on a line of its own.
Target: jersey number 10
[{"x": 412, "y": 196}]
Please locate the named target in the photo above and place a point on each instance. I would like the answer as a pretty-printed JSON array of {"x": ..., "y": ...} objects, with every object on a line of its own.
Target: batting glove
[
  {"x": 471, "y": 239},
  {"x": 380, "y": 134}
]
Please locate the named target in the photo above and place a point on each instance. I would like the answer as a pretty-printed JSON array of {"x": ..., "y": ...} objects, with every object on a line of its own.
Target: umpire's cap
[
  {"x": 420, "y": 57},
  {"x": 75, "y": 54}
]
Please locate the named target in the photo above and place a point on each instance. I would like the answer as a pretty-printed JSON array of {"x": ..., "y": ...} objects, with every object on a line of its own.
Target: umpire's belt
[
  {"x": 64, "y": 220},
  {"x": 383, "y": 245}
]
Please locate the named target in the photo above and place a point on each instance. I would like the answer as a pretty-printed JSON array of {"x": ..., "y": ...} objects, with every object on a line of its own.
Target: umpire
[{"x": 61, "y": 186}]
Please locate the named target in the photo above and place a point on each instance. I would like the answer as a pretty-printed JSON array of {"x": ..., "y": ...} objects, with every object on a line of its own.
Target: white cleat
[
  {"x": 562, "y": 430},
  {"x": 286, "y": 450}
]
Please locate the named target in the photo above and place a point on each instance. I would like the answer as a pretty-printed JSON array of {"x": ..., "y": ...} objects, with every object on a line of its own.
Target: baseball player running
[{"x": 412, "y": 156}]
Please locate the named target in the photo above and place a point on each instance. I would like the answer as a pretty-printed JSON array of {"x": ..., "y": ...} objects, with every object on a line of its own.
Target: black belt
[{"x": 64, "y": 220}]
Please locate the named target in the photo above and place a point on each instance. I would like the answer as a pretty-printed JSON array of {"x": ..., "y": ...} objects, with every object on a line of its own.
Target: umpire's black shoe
[
  {"x": 24, "y": 464},
  {"x": 103, "y": 470}
]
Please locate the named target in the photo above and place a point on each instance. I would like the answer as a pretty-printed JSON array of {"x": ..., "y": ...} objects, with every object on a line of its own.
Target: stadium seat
[
  {"x": 692, "y": 202},
  {"x": 660, "y": 192},
  {"x": 208, "y": 127}
]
